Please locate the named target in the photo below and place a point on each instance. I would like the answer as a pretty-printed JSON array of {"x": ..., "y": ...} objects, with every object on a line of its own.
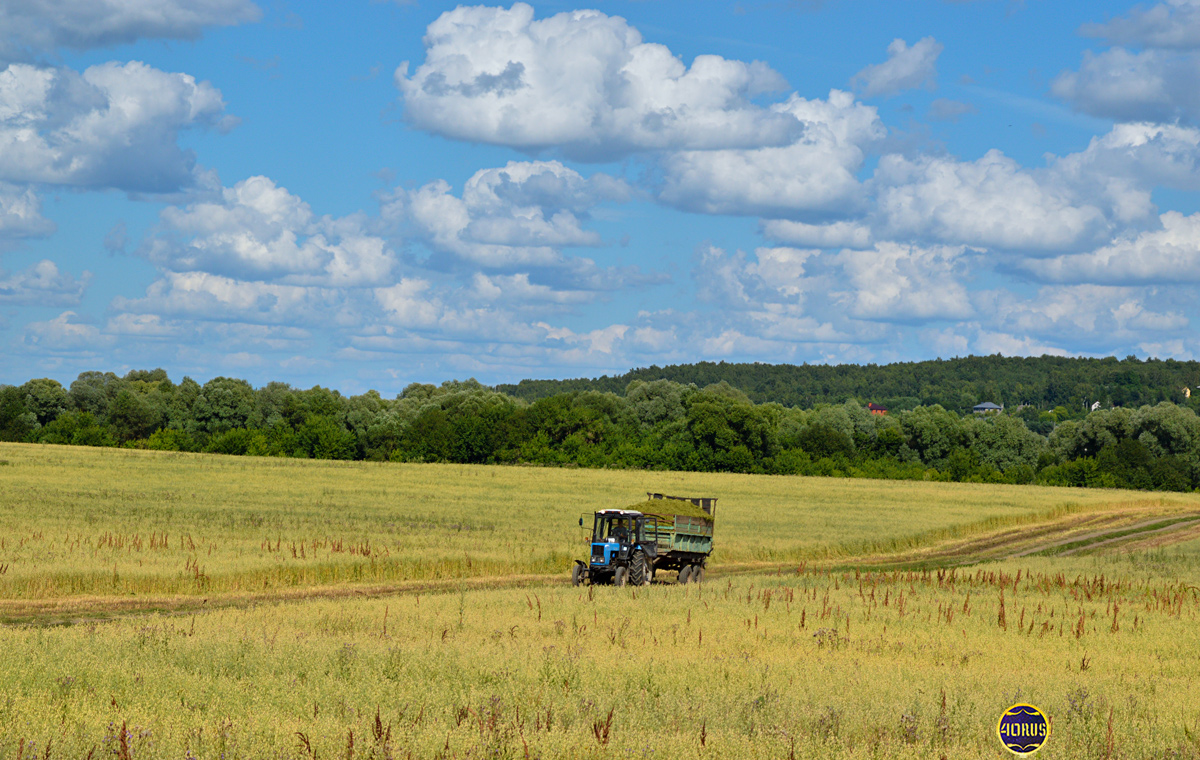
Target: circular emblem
[{"x": 1023, "y": 729}]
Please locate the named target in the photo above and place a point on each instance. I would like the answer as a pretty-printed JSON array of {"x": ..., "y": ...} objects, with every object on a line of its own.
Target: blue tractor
[{"x": 629, "y": 546}]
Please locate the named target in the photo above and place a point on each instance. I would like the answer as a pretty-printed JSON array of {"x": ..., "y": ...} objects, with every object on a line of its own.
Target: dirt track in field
[{"x": 1117, "y": 530}]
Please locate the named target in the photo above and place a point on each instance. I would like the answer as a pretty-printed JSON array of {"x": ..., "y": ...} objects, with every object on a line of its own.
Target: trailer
[{"x": 672, "y": 533}]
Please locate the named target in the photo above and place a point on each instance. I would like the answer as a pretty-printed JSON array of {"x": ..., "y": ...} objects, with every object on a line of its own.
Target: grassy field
[
  {"x": 80, "y": 522},
  {"x": 425, "y": 614},
  {"x": 903, "y": 665}
]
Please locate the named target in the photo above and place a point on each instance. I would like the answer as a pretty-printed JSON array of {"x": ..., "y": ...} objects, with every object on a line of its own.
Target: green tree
[
  {"x": 17, "y": 422},
  {"x": 223, "y": 404},
  {"x": 46, "y": 398},
  {"x": 131, "y": 415},
  {"x": 94, "y": 391}
]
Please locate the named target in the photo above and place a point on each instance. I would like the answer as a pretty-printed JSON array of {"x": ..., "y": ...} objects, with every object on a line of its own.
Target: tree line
[
  {"x": 1043, "y": 382},
  {"x": 651, "y": 424}
]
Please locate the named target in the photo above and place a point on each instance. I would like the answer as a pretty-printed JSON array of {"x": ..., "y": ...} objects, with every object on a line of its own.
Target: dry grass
[
  {"x": 812, "y": 665},
  {"x": 80, "y": 522},
  {"x": 317, "y": 609}
]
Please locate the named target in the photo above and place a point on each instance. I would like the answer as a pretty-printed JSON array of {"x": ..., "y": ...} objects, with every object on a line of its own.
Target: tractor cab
[
  {"x": 618, "y": 526},
  {"x": 617, "y": 536}
]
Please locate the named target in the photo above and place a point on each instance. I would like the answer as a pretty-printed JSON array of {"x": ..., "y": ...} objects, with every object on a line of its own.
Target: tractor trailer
[{"x": 630, "y": 546}]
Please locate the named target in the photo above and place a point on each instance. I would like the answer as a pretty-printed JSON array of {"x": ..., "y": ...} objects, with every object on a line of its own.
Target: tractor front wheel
[
  {"x": 577, "y": 573},
  {"x": 637, "y": 569},
  {"x": 685, "y": 573},
  {"x": 619, "y": 576}
]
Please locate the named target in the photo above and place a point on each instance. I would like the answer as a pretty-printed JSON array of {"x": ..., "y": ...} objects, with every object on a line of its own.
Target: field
[{"x": 155, "y": 608}]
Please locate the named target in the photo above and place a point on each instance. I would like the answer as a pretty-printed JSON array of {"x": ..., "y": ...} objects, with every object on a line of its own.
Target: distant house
[
  {"x": 876, "y": 409},
  {"x": 987, "y": 406}
]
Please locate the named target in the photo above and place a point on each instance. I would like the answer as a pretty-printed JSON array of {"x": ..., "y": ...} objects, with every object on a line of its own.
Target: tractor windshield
[{"x": 615, "y": 528}]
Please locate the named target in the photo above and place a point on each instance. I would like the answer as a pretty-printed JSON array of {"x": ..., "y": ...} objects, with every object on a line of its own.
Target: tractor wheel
[
  {"x": 685, "y": 573},
  {"x": 637, "y": 569},
  {"x": 577, "y": 575},
  {"x": 698, "y": 574},
  {"x": 619, "y": 576}
]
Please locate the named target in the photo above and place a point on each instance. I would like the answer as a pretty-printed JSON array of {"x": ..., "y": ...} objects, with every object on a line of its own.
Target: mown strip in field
[{"x": 1103, "y": 539}]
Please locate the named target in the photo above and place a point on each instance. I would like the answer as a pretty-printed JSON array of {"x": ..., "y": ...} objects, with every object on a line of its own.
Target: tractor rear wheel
[
  {"x": 637, "y": 569},
  {"x": 619, "y": 576},
  {"x": 685, "y": 573},
  {"x": 577, "y": 575}
]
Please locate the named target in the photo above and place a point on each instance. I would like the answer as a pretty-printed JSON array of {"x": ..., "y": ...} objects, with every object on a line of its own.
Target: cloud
[
  {"x": 988, "y": 203},
  {"x": 1169, "y": 255},
  {"x": 144, "y": 326},
  {"x": 205, "y": 296},
  {"x": 42, "y": 284},
  {"x": 408, "y": 303},
  {"x": 832, "y": 235},
  {"x": 774, "y": 275},
  {"x": 988, "y": 343},
  {"x": 582, "y": 82},
  {"x": 1153, "y": 85},
  {"x": 259, "y": 231},
  {"x": 519, "y": 216},
  {"x": 814, "y": 176},
  {"x": 41, "y": 26},
  {"x": 1120, "y": 169},
  {"x": 115, "y": 125},
  {"x": 517, "y": 289},
  {"x": 1174, "y": 24},
  {"x": 950, "y": 110},
  {"x": 21, "y": 214},
  {"x": 1085, "y": 316},
  {"x": 895, "y": 282},
  {"x": 906, "y": 68},
  {"x": 63, "y": 334}
]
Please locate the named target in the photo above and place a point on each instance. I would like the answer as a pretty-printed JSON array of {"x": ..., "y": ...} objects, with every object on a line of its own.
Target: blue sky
[{"x": 367, "y": 194}]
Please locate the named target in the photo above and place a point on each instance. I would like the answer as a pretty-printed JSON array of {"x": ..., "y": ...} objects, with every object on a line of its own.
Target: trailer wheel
[
  {"x": 697, "y": 574},
  {"x": 577, "y": 575},
  {"x": 619, "y": 576},
  {"x": 637, "y": 569},
  {"x": 685, "y": 573}
]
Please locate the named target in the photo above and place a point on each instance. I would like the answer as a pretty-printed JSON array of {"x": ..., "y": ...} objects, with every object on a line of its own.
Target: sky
[{"x": 371, "y": 193}]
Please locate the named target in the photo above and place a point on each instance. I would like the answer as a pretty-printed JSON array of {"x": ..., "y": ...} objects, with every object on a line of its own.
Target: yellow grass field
[{"x": 426, "y": 614}]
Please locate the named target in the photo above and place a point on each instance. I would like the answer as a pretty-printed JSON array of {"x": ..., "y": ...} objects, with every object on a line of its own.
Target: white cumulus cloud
[
  {"x": 991, "y": 203},
  {"x": 831, "y": 235},
  {"x": 815, "y": 175},
  {"x": 115, "y": 125},
  {"x": 1099, "y": 317},
  {"x": 519, "y": 215},
  {"x": 906, "y": 68},
  {"x": 65, "y": 334},
  {"x": 205, "y": 296},
  {"x": 1151, "y": 85},
  {"x": 21, "y": 214},
  {"x": 259, "y": 231},
  {"x": 895, "y": 282},
  {"x": 42, "y": 284},
  {"x": 584, "y": 82},
  {"x": 1166, "y": 256}
]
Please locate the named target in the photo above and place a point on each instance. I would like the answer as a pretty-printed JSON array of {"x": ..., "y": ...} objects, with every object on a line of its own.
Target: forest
[
  {"x": 1144, "y": 432},
  {"x": 1042, "y": 382}
]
